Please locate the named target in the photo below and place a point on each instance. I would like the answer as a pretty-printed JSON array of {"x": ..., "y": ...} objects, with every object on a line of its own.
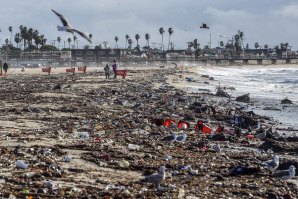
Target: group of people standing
[{"x": 107, "y": 70}]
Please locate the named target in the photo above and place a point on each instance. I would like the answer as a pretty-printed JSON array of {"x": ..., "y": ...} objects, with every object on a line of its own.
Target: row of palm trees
[
  {"x": 26, "y": 35},
  {"x": 128, "y": 40},
  {"x": 29, "y": 36}
]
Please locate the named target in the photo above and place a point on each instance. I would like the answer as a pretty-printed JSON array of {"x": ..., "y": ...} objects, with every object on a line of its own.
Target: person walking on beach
[
  {"x": 5, "y": 68},
  {"x": 107, "y": 71},
  {"x": 0, "y": 67},
  {"x": 114, "y": 66}
]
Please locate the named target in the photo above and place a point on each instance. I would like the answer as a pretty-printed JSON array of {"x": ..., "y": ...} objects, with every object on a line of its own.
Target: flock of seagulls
[
  {"x": 271, "y": 165},
  {"x": 170, "y": 139},
  {"x": 67, "y": 27}
]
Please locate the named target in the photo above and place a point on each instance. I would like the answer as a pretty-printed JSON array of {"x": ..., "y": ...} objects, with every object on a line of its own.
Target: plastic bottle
[
  {"x": 84, "y": 135},
  {"x": 133, "y": 147},
  {"x": 21, "y": 164},
  {"x": 67, "y": 159},
  {"x": 123, "y": 164},
  {"x": 169, "y": 157}
]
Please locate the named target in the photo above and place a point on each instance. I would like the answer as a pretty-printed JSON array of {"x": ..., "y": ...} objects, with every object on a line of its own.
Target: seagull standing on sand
[
  {"x": 67, "y": 27},
  {"x": 285, "y": 174},
  {"x": 271, "y": 164},
  {"x": 181, "y": 138},
  {"x": 217, "y": 148},
  {"x": 261, "y": 136},
  {"x": 157, "y": 178},
  {"x": 170, "y": 139}
]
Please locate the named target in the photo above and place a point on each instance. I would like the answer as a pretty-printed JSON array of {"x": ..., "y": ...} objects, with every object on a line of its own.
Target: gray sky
[{"x": 265, "y": 21}]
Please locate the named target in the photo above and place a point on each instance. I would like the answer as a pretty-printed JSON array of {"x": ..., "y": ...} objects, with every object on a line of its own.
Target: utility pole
[{"x": 210, "y": 40}]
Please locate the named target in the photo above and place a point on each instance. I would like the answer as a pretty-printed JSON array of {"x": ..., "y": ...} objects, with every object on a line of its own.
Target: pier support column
[
  {"x": 245, "y": 61},
  {"x": 231, "y": 62},
  {"x": 288, "y": 61},
  {"x": 259, "y": 61},
  {"x": 273, "y": 61},
  {"x": 218, "y": 61}
]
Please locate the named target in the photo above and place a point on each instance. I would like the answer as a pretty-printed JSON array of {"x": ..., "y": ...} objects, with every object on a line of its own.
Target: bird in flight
[
  {"x": 204, "y": 26},
  {"x": 67, "y": 27}
]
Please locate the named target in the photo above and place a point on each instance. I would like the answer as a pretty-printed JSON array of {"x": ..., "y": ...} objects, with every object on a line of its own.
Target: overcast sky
[{"x": 265, "y": 21}]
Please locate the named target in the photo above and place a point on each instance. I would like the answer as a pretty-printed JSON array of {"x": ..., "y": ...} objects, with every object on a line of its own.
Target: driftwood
[
  {"x": 243, "y": 98},
  {"x": 286, "y": 101}
]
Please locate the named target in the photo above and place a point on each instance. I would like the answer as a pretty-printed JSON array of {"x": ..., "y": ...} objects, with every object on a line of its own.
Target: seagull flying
[
  {"x": 285, "y": 174},
  {"x": 157, "y": 178},
  {"x": 204, "y": 26},
  {"x": 84, "y": 35},
  {"x": 67, "y": 27},
  {"x": 271, "y": 164}
]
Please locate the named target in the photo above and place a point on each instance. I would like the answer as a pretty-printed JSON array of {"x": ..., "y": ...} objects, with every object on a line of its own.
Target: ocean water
[{"x": 267, "y": 85}]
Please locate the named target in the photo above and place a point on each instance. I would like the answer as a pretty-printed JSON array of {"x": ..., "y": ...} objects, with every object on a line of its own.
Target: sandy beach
[{"x": 82, "y": 136}]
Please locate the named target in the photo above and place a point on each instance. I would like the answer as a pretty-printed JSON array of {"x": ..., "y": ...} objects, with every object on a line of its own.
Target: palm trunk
[
  {"x": 162, "y": 42},
  {"x": 169, "y": 42}
]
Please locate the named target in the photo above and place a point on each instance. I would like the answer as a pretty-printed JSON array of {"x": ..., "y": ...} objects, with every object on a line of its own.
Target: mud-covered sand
[{"x": 45, "y": 118}]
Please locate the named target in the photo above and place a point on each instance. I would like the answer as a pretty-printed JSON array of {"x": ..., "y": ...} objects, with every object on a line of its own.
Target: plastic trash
[
  {"x": 203, "y": 127},
  {"x": 84, "y": 135},
  {"x": 169, "y": 157},
  {"x": 123, "y": 164},
  {"x": 134, "y": 147},
  {"x": 181, "y": 193},
  {"x": 111, "y": 186},
  {"x": 67, "y": 159},
  {"x": 21, "y": 164},
  {"x": 106, "y": 157},
  {"x": 250, "y": 136}
]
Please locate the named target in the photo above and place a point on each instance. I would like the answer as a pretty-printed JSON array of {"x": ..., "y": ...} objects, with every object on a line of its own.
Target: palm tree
[
  {"x": 90, "y": 36},
  {"x": 30, "y": 35},
  {"x": 43, "y": 40},
  {"x": 74, "y": 41},
  {"x": 266, "y": 46},
  {"x": 38, "y": 41},
  {"x": 10, "y": 30},
  {"x": 129, "y": 43},
  {"x": 147, "y": 37},
  {"x": 69, "y": 40},
  {"x": 116, "y": 40},
  {"x": 126, "y": 37},
  {"x": 241, "y": 35},
  {"x": 257, "y": 45},
  {"x": 170, "y": 30},
  {"x": 196, "y": 46},
  {"x": 161, "y": 31},
  {"x": 137, "y": 38},
  {"x": 6, "y": 42},
  {"x": 24, "y": 33},
  {"x": 59, "y": 40},
  {"x": 17, "y": 39}
]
